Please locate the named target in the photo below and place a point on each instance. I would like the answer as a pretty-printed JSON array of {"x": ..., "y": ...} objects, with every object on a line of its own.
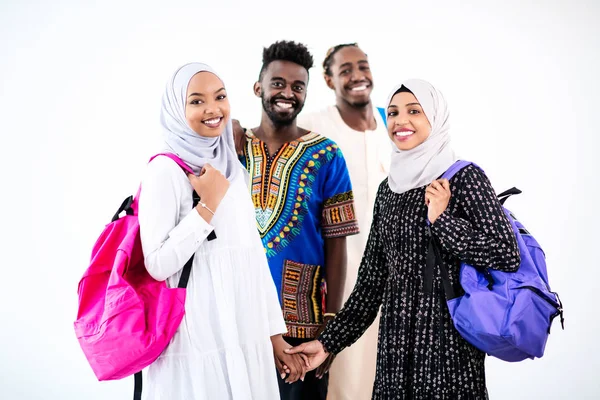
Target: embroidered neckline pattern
[{"x": 288, "y": 174}]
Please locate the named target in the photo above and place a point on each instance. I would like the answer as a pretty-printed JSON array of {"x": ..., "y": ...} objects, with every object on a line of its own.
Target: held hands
[
  {"x": 314, "y": 352},
  {"x": 211, "y": 186},
  {"x": 437, "y": 197},
  {"x": 324, "y": 368},
  {"x": 294, "y": 366}
]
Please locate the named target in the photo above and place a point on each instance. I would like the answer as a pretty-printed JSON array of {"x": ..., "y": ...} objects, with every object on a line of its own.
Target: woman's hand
[
  {"x": 292, "y": 365},
  {"x": 211, "y": 186},
  {"x": 314, "y": 351},
  {"x": 437, "y": 197}
]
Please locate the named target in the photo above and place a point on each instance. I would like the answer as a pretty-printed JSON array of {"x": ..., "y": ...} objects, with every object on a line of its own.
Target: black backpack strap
[
  {"x": 137, "y": 388},
  {"x": 185, "y": 273},
  {"x": 187, "y": 268},
  {"x": 434, "y": 258},
  {"x": 125, "y": 206},
  {"x": 429, "y": 265},
  {"x": 507, "y": 193}
]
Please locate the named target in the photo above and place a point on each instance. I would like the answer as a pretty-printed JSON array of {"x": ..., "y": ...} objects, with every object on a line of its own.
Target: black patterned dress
[{"x": 420, "y": 353}]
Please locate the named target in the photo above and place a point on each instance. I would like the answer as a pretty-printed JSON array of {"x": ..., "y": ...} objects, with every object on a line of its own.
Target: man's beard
[
  {"x": 359, "y": 105},
  {"x": 275, "y": 117}
]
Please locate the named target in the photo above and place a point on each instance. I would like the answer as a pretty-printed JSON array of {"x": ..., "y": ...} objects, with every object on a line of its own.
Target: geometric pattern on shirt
[
  {"x": 282, "y": 185},
  {"x": 302, "y": 292},
  {"x": 339, "y": 217}
]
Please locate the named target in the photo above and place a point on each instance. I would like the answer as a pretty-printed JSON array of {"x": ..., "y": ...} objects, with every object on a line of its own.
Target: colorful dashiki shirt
[{"x": 302, "y": 195}]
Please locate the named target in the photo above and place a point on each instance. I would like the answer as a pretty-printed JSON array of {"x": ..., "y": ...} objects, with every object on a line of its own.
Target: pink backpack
[{"x": 126, "y": 318}]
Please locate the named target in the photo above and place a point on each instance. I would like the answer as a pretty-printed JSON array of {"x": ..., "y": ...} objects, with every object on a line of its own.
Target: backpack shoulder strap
[
  {"x": 455, "y": 168},
  {"x": 175, "y": 158},
  {"x": 133, "y": 205}
]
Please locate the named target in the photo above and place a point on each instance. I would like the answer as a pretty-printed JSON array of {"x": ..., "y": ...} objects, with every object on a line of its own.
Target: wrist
[
  {"x": 328, "y": 317},
  {"x": 213, "y": 203},
  {"x": 323, "y": 346},
  {"x": 206, "y": 212},
  {"x": 276, "y": 339},
  {"x": 210, "y": 208},
  {"x": 432, "y": 217},
  {"x": 206, "y": 206},
  {"x": 437, "y": 217}
]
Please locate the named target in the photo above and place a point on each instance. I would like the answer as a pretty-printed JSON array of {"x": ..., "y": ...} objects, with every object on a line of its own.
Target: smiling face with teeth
[
  {"x": 350, "y": 77},
  {"x": 282, "y": 89},
  {"x": 207, "y": 107},
  {"x": 408, "y": 126}
]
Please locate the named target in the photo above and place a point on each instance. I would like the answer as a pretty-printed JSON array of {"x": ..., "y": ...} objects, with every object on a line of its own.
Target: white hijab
[
  {"x": 180, "y": 139},
  {"x": 425, "y": 163}
]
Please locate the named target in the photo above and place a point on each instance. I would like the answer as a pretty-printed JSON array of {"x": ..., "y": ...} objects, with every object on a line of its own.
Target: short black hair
[
  {"x": 331, "y": 52},
  {"x": 286, "y": 51}
]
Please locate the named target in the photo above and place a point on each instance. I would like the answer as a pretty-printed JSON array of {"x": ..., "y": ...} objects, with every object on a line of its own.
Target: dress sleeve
[
  {"x": 275, "y": 314},
  {"x": 362, "y": 306},
  {"x": 168, "y": 242},
  {"x": 485, "y": 237}
]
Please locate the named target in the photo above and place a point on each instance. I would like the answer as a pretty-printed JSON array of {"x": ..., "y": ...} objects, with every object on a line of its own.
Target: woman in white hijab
[
  {"x": 224, "y": 346},
  {"x": 420, "y": 353}
]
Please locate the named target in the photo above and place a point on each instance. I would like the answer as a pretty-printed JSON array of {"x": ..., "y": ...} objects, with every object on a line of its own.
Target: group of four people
[{"x": 292, "y": 278}]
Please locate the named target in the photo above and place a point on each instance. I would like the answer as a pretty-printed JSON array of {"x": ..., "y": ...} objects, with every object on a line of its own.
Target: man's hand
[
  {"x": 324, "y": 368},
  {"x": 294, "y": 365},
  {"x": 314, "y": 351},
  {"x": 239, "y": 136}
]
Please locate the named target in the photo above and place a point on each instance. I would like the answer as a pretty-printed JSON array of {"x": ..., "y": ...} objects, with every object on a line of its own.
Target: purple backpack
[{"x": 505, "y": 314}]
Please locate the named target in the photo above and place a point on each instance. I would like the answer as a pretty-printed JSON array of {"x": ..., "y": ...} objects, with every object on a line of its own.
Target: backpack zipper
[{"x": 557, "y": 306}]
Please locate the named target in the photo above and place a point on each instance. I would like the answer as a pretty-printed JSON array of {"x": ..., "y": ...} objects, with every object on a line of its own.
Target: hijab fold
[{"x": 411, "y": 169}]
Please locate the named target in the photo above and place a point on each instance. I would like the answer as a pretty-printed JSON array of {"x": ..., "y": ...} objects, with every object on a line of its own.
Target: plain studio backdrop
[{"x": 80, "y": 90}]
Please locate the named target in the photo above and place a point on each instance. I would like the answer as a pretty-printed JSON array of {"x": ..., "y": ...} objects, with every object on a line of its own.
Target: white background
[{"x": 80, "y": 88}]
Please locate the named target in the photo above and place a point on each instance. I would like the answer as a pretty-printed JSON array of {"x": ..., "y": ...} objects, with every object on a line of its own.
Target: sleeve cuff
[
  {"x": 441, "y": 221},
  {"x": 330, "y": 232},
  {"x": 339, "y": 216},
  {"x": 448, "y": 228},
  {"x": 328, "y": 345},
  {"x": 192, "y": 227},
  {"x": 277, "y": 327}
]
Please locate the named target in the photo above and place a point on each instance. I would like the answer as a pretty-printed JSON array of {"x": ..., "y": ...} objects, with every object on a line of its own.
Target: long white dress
[{"x": 222, "y": 349}]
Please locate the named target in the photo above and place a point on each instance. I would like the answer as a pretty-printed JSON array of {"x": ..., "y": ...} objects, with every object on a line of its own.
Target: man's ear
[
  {"x": 328, "y": 81},
  {"x": 257, "y": 89}
]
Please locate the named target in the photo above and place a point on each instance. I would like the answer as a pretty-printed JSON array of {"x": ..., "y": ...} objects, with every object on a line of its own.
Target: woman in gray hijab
[
  {"x": 224, "y": 346},
  {"x": 420, "y": 353}
]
